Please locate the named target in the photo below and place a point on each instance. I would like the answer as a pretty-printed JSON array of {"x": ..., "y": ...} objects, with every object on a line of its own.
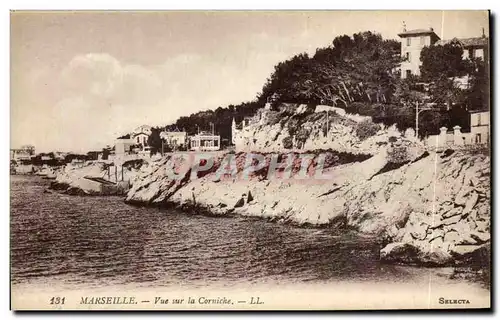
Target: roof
[
  {"x": 139, "y": 133},
  {"x": 479, "y": 111},
  {"x": 417, "y": 32},
  {"x": 144, "y": 127},
  {"x": 205, "y": 134},
  {"x": 466, "y": 42}
]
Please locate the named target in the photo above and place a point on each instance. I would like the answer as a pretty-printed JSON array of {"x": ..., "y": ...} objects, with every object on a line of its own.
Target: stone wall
[{"x": 454, "y": 139}]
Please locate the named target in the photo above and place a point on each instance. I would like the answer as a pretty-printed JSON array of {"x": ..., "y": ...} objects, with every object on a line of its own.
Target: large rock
[
  {"x": 472, "y": 254},
  {"x": 400, "y": 253},
  {"x": 410, "y": 254}
]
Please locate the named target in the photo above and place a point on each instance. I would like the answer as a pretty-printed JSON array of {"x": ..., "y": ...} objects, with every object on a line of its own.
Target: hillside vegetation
[{"x": 361, "y": 75}]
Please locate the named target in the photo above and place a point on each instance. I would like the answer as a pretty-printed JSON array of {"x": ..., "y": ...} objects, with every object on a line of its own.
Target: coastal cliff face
[
  {"x": 428, "y": 208},
  {"x": 299, "y": 127},
  {"x": 453, "y": 221},
  {"x": 425, "y": 207}
]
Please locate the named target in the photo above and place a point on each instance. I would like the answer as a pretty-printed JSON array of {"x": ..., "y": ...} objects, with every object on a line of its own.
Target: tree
[
  {"x": 441, "y": 66},
  {"x": 361, "y": 68},
  {"x": 105, "y": 153},
  {"x": 443, "y": 61},
  {"x": 154, "y": 140},
  {"x": 478, "y": 94}
]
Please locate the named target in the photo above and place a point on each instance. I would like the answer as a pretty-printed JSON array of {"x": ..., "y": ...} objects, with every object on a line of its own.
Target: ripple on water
[{"x": 101, "y": 241}]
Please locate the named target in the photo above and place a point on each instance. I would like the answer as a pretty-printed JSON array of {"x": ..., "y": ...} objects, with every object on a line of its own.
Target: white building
[
  {"x": 24, "y": 153},
  {"x": 413, "y": 41},
  {"x": 205, "y": 141},
  {"x": 141, "y": 135},
  {"x": 480, "y": 127},
  {"x": 140, "y": 138},
  {"x": 174, "y": 139}
]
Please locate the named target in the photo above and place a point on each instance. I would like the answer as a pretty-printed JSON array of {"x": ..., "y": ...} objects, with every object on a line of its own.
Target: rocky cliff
[
  {"x": 299, "y": 127},
  {"x": 428, "y": 208}
]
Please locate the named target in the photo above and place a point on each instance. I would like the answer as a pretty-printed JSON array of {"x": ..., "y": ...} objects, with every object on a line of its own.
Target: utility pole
[
  {"x": 327, "y": 122},
  {"x": 416, "y": 121}
]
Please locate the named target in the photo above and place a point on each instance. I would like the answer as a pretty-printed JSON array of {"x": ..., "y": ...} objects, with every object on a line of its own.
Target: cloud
[
  {"x": 97, "y": 97},
  {"x": 95, "y": 74}
]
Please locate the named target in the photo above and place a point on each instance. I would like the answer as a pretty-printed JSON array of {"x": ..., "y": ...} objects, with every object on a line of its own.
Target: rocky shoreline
[
  {"x": 426, "y": 208},
  {"x": 430, "y": 210}
]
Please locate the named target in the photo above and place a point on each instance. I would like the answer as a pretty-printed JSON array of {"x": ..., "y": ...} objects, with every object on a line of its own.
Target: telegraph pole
[
  {"x": 416, "y": 121},
  {"x": 327, "y": 122}
]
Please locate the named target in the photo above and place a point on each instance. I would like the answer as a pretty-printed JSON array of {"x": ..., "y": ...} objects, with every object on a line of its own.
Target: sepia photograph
[{"x": 250, "y": 160}]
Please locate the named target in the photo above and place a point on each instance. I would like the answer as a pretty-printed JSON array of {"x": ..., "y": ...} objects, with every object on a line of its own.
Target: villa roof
[
  {"x": 466, "y": 42},
  {"x": 139, "y": 133},
  {"x": 479, "y": 111},
  {"x": 205, "y": 134},
  {"x": 417, "y": 32},
  {"x": 174, "y": 131}
]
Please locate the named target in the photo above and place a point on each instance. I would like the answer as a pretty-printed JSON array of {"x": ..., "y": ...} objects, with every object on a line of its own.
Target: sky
[{"x": 81, "y": 79}]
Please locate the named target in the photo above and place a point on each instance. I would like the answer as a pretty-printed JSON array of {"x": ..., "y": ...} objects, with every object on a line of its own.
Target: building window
[
  {"x": 478, "y": 138},
  {"x": 478, "y": 53},
  {"x": 408, "y": 42},
  {"x": 138, "y": 140},
  {"x": 478, "y": 119},
  {"x": 408, "y": 73},
  {"x": 408, "y": 57}
]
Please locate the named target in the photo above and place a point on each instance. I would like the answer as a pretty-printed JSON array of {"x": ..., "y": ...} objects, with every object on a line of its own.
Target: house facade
[
  {"x": 480, "y": 127},
  {"x": 413, "y": 41},
  {"x": 205, "y": 141},
  {"x": 174, "y": 139},
  {"x": 140, "y": 138},
  {"x": 141, "y": 135},
  {"x": 473, "y": 47},
  {"x": 22, "y": 154}
]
